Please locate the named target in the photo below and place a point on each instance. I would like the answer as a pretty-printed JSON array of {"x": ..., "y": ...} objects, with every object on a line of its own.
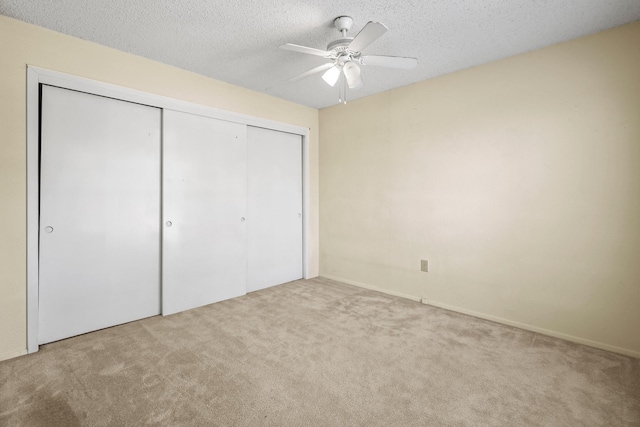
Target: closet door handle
[
  {"x": 242, "y": 219},
  {"x": 168, "y": 223},
  {"x": 48, "y": 229}
]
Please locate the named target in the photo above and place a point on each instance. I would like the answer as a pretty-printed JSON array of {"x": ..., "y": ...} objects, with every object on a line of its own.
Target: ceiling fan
[{"x": 345, "y": 56}]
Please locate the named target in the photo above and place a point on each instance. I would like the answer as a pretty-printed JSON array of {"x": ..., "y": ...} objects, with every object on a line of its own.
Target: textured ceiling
[{"x": 237, "y": 41}]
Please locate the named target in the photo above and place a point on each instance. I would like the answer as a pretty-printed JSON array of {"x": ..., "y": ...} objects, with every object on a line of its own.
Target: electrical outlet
[{"x": 424, "y": 265}]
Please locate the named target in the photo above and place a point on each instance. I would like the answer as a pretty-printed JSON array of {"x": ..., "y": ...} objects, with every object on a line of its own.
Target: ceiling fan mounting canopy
[
  {"x": 345, "y": 55},
  {"x": 343, "y": 23}
]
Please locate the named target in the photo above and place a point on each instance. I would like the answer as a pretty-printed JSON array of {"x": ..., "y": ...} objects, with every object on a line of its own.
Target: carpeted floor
[{"x": 318, "y": 353}]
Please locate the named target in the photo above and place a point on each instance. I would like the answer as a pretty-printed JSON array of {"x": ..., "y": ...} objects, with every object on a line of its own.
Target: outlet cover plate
[{"x": 424, "y": 265}]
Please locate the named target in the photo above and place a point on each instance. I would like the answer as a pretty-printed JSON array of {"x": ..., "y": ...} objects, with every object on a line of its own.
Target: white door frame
[{"x": 37, "y": 76}]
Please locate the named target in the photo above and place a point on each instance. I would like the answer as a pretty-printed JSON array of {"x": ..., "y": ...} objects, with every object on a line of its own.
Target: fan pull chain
[{"x": 342, "y": 89}]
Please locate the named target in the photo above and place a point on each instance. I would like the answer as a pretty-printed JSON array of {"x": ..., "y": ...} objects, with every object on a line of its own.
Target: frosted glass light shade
[{"x": 331, "y": 75}]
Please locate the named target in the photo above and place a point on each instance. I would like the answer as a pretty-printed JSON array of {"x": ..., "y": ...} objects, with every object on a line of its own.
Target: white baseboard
[
  {"x": 371, "y": 287},
  {"x": 12, "y": 354},
  {"x": 578, "y": 340},
  {"x": 555, "y": 334}
]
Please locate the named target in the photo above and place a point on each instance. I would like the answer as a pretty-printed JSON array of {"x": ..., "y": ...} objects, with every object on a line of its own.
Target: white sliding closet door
[
  {"x": 204, "y": 210},
  {"x": 274, "y": 211},
  {"x": 99, "y": 213}
]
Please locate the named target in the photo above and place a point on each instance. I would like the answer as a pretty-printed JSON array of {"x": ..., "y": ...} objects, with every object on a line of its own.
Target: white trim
[
  {"x": 542, "y": 331},
  {"x": 12, "y": 354},
  {"x": 37, "y": 76},
  {"x": 371, "y": 287},
  {"x": 305, "y": 205},
  {"x": 33, "y": 207},
  {"x": 95, "y": 87},
  {"x": 554, "y": 334}
]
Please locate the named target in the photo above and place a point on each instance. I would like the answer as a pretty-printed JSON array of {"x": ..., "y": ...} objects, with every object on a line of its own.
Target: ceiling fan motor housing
[{"x": 339, "y": 45}]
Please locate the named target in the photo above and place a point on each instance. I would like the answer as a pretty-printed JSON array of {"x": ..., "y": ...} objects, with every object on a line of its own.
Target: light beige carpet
[{"x": 318, "y": 353}]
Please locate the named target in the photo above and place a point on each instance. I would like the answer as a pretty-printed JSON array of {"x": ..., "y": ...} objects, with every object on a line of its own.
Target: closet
[
  {"x": 147, "y": 211},
  {"x": 99, "y": 213},
  {"x": 274, "y": 208},
  {"x": 204, "y": 211}
]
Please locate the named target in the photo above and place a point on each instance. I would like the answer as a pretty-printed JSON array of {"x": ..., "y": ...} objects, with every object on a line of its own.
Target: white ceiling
[{"x": 237, "y": 41}]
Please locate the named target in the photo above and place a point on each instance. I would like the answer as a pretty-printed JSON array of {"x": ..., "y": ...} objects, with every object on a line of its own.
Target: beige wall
[
  {"x": 24, "y": 44},
  {"x": 519, "y": 181}
]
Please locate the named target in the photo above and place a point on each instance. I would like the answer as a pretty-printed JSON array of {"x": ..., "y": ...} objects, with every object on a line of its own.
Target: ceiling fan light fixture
[
  {"x": 352, "y": 73},
  {"x": 345, "y": 57},
  {"x": 331, "y": 75}
]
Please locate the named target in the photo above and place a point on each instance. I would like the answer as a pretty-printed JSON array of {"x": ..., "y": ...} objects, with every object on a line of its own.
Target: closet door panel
[
  {"x": 274, "y": 210},
  {"x": 204, "y": 209},
  {"x": 99, "y": 213}
]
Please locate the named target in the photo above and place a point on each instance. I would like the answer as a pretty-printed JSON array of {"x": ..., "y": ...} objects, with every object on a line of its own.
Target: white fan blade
[
  {"x": 402, "y": 62},
  {"x": 312, "y": 71},
  {"x": 305, "y": 49},
  {"x": 352, "y": 73},
  {"x": 367, "y": 35}
]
